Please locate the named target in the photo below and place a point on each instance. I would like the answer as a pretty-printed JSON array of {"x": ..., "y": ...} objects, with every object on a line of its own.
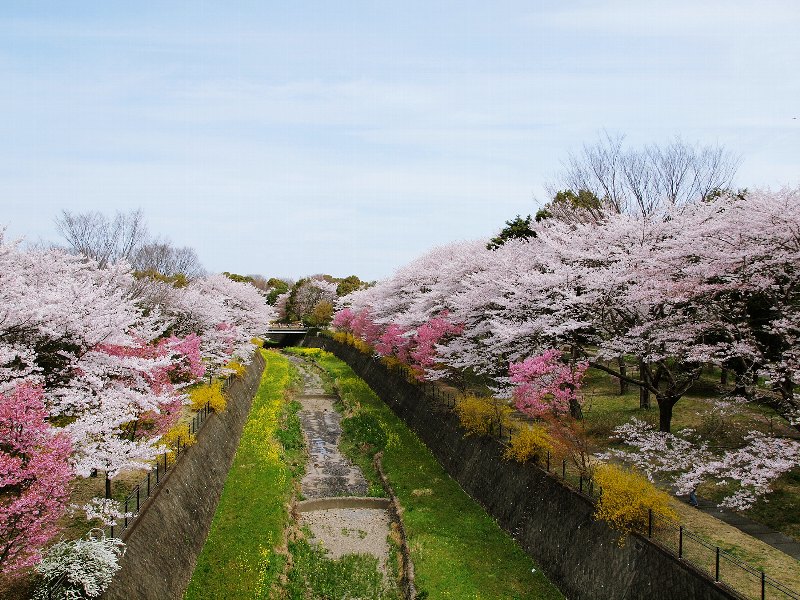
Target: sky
[{"x": 293, "y": 138}]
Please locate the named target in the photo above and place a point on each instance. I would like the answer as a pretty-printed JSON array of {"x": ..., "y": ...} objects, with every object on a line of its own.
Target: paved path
[
  {"x": 761, "y": 532},
  {"x": 347, "y": 523}
]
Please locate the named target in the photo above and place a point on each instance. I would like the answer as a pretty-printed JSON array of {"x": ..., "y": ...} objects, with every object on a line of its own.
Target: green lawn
[
  {"x": 458, "y": 550},
  {"x": 239, "y": 558}
]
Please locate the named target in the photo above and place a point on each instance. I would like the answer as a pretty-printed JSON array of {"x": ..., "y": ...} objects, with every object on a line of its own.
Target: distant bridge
[
  {"x": 286, "y": 329},
  {"x": 285, "y": 335}
]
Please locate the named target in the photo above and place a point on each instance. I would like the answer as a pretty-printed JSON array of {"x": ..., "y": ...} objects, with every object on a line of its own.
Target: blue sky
[{"x": 297, "y": 138}]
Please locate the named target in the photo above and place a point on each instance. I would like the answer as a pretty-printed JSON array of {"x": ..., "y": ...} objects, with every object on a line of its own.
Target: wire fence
[{"x": 737, "y": 576}]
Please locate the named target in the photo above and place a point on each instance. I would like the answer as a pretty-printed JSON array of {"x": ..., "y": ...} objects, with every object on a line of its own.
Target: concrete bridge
[{"x": 285, "y": 335}]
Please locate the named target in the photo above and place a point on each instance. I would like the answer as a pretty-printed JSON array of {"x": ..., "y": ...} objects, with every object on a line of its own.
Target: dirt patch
[{"x": 350, "y": 531}]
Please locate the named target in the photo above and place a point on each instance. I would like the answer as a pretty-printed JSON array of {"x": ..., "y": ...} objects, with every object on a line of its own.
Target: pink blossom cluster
[
  {"x": 545, "y": 384},
  {"x": 749, "y": 470},
  {"x": 415, "y": 347}
]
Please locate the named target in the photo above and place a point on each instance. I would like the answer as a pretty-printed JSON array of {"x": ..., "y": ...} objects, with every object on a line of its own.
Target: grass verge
[
  {"x": 458, "y": 549},
  {"x": 241, "y": 557}
]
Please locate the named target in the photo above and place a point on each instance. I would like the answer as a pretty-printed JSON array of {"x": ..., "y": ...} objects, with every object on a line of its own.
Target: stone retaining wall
[
  {"x": 551, "y": 522},
  {"x": 163, "y": 544}
]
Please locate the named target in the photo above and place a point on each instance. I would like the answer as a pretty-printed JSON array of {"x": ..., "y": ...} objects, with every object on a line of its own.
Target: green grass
[
  {"x": 459, "y": 551},
  {"x": 239, "y": 558},
  {"x": 352, "y": 576}
]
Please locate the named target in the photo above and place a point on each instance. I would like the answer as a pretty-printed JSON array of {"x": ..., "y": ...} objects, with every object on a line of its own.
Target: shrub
[
  {"x": 482, "y": 416},
  {"x": 351, "y": 340},
  {"x": 625, "y": 498},
  {"x": 529, "y": 443},
  {"x": 208, "y": 393},
  {"x": 237, "y": 368},
  {"x": 391, "y": 362},
  {"x": 79, "y": 569},
  {"x": 179, "y": 434}
]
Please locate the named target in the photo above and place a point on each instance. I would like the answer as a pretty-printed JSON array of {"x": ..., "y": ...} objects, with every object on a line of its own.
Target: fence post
[
  {"x": 564, "y": 468},
  {"x": 650, "y": 523},
  {"x": 680, "y": 541},
  {"x": 137, "y": 498},
  {"x": 157, "y": 469},
  {"x": 763, "y": 585},
  {"x": 148, "y": 484},
  {"x": 126, "y": 513},
  {"x": 716, "y": 570}
]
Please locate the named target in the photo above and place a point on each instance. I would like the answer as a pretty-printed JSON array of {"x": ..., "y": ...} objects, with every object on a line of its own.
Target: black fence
[{"x": 742, "y": 579}]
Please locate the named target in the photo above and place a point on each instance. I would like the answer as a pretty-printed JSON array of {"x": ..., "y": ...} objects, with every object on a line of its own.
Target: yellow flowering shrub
[
  {"x": 312, "y": 352},
  {"x": 208, "y": 393},
  {"x": 238, "y": 368},
  {"x": 350, "y": 339},
  {"x": 529, "y": 443},
  {"x": 391, "y": 362},
  {"x": 257, "y": 341},
  {"x": 178, "y": 434},
  {"x": 482, "y": 416},
  {"x": 625, "y": 498}
]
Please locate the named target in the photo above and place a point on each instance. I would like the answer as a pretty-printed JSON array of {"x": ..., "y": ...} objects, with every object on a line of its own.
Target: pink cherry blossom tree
[
  {"x": 546, "y": 385},
  {"x": 34, "y": 473}
]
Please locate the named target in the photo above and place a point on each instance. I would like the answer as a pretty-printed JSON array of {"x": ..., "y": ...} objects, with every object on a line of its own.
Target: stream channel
[{"x": 335, "y": 507}]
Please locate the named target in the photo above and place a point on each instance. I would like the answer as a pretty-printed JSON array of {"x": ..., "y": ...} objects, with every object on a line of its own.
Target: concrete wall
[
  {"x": 163, "y": 544},
  {"x": 552, "y": 523}
]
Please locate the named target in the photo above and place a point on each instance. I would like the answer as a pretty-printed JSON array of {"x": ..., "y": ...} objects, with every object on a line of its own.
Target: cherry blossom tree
[
  {"x": 34, "y": 474},
  {"x": 546, "y": 385},
  {"x": 749, "y": 471}
]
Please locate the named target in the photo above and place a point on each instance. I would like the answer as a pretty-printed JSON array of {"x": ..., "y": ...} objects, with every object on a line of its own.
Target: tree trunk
[
  {"x": 644, "y": 398},
  {"x": 739, "y": 388},
  {"x": 789, "y": 402},
  {"x": 623, "y": 370},
  {"x": 644, "y": 393},
  {"x": 108, "y": 487},
  {"x": 575, "y": 410},
  {"x": 723, "y": 378},
  {"x": 665, "y": 404}
]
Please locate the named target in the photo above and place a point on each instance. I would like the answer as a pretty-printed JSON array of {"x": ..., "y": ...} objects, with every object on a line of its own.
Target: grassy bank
[
  {"x": 239, "y": 558},
  {"x": 458, "y": 550}
]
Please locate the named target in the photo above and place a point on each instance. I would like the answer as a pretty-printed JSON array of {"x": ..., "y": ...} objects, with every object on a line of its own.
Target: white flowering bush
[
  {"x": 79, "y": 569},
  {"x": 106, "y": 510}
]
